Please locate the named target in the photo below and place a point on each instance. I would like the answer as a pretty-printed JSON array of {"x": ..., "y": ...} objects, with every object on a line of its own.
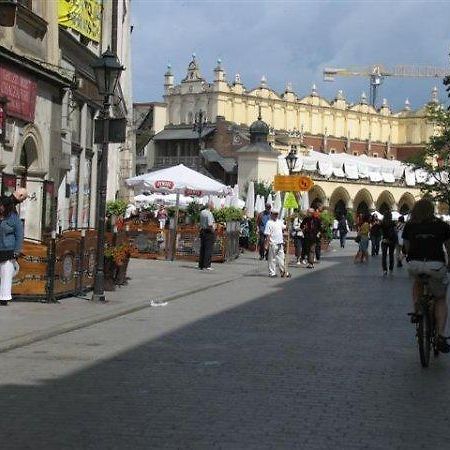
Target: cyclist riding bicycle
[{"x": 424, "y": 238}]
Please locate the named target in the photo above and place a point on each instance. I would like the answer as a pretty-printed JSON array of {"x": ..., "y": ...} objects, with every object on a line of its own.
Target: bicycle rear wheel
[{"x": 424, "y": 338}]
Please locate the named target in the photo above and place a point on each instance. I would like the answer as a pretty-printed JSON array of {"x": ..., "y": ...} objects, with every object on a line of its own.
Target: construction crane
[{"x": 377, "y": 73}]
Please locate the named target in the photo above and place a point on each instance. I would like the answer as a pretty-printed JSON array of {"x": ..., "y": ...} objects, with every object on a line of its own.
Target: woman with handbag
[
  {"x": 11, "y": 241},
  {"x": 388, "y": 242}
]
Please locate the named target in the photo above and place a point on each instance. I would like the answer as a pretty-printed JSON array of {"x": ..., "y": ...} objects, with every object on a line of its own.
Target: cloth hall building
[{"x": 352, "y": 151}]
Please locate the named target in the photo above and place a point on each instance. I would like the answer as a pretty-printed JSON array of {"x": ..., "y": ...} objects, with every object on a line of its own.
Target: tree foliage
[{"x": 434, "y": 159}]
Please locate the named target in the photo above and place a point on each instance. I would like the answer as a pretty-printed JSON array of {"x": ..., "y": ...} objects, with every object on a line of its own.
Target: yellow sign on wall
[
  {"x": 84, "y": 16},
  {"x": 293, "y": 183}
]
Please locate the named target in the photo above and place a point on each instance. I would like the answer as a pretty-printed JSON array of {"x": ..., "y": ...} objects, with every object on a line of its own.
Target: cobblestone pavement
[{"x": 324, "y": 360}]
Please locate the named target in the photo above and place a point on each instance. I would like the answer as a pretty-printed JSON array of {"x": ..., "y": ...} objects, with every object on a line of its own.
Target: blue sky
[{"x": 291, "y": 41}]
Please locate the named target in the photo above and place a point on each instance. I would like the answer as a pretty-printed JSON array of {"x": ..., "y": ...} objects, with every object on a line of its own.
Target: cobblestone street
[{"x": 324, "y": 360}]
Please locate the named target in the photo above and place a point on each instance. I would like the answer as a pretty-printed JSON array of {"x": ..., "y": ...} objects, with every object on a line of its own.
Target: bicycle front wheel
[{"x": 424, "y": 338}]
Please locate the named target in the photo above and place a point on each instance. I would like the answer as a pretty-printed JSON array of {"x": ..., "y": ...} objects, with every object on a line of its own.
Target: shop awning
[
  {"x": 211, "y": 155},
  {"x": 176, "y": 134}
]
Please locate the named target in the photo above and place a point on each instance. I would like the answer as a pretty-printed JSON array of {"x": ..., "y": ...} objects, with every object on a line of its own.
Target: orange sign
[{"x": 292, "y": 183}]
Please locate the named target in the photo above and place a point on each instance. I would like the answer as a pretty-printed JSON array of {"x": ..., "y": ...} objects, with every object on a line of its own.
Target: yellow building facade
[{"x": 326, "y": 126}]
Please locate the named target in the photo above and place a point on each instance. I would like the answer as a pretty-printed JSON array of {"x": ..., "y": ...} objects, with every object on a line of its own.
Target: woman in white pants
[{"x": 11, "y": 240}]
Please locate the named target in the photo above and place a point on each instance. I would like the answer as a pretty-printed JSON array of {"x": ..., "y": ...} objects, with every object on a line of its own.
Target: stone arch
[
  {"x": 30, "y": 157},
  {"x": 339, "y": 201},
  {"x": 385, "y": 202},
  {"x": 363, "y": 202},
  {"x": 317, "y": 196},
  {"x": 406, "y": 203}
]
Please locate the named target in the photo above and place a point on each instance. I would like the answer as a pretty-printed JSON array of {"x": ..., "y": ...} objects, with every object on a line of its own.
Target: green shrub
[
  {"x": 327, "y": 219},
  {"x": 253, "y": 232},
  {"x": 116, "y": 208},
  {"x": 229, "y": 214},
  {"x": 193, "y": 211}
]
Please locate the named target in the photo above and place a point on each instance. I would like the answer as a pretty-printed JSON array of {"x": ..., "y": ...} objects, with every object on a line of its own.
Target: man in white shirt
[{"x": 274, "y": 243}]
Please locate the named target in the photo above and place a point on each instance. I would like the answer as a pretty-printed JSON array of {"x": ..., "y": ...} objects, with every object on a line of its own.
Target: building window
[
  {"x": 332, "y": 151},
  {"x": 355, "y": 154},
  {"x": 391, "y": 157},
  {"x": 375, "y": 155}
]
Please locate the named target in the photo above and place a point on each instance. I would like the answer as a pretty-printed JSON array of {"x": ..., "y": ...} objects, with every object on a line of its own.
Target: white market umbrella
[
  {"x": 216, "y": 201},
  {"x": 179, "y": 180},
  {"x": 258, "y": 208},
  {"x": 269, "y": 200},
  {"x": 250, "y": 201},
  {"x": 236, "y": 190},
  {"x": 227, "y": 202},
  {"x": 305, "y": 200},
  {"x": 235, "y": 202},
  {"x": 277, "y": 202},
  {"x": 395, "y": 215}
]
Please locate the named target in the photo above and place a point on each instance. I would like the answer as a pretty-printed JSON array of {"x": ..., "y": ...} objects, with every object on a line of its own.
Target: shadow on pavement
[{"x": 327, "y": 361}]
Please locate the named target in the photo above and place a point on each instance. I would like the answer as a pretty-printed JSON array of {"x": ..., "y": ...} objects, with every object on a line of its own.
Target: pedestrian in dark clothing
[
  {"x": 310, "y": 227},
  {"x": 388, "y": 242},
  {"x": 261, "y": 222},
  {"x": 297, "y": 235},
  {"x": 318, "y": 246},
  {"x": 375, "y": 236},
  {"x": 207, "y": 238},
  {"x": 343, "y": 230}
]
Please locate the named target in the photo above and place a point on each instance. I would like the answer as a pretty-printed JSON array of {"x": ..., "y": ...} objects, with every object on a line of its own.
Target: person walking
[
  {"x": 362, "y": 255},
  {"x": 261, "y": 221},
  {"x": 318, "y": 243},
  {"x": 343, "y": 229},
  {"x": 310, "y": 228},
  {"x": 297, "y": 235},
  {"x": 274, "y": 245},
  {"x": 388, "y": 242},
  {"x": 375, "y": 235},
  {"x": 399, "y": 246},
  {"x": 11, "y": 241},
  {"x": 207, "y": 237},
  {"x": 161, "y": 216}
]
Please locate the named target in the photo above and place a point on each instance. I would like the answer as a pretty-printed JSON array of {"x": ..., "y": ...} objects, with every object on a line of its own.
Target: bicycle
[{"x": 424, "y": 319}]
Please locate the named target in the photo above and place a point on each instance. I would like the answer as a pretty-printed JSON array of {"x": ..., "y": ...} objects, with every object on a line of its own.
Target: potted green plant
[
  {"x": 117, "y": 258},
  {"x": 114, "y": 210},
  {"x": 253, "y": 235},
  {"x": 327, "y": 219},
  {"x": 193, "y": 212}
]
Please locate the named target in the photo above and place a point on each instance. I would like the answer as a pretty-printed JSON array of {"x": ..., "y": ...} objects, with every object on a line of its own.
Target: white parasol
[{"x": 250, "y": 201}]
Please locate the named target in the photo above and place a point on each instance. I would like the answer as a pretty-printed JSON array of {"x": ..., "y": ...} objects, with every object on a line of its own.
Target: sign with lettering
[
  {"x": 84, "y": 16},
  {"x": 192, "y": 193},
  {"x": 292, "y": 183},
  {"x": 164, "y": 184},
  {"x": 20, "y": 91}
]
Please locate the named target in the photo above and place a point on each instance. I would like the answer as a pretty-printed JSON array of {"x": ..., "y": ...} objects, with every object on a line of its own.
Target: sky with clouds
[{"x": 291, "y": 41}]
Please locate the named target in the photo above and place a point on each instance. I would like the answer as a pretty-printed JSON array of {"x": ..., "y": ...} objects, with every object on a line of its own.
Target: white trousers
[
  {"x": 275, "y": 258},
  {"x": 6, "y": 277}
]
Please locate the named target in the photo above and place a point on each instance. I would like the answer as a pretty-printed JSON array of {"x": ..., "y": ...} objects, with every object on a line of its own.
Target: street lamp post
[
  {"x": 107, "y": 72},
  {"x": 291, "y": 159},
  {"x": 199, "y": 125}
]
